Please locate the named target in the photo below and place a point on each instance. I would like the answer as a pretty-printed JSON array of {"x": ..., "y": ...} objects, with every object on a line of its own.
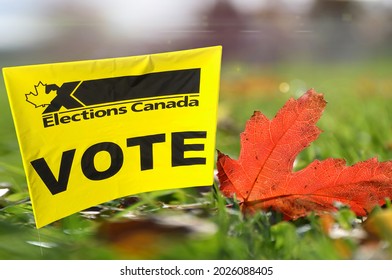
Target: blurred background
[
  {"x": 253, "y": 31},
  {"x": 272, "y": 50}
]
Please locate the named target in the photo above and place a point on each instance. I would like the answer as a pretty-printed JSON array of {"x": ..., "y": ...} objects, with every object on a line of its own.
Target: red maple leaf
[{"x": 263, "y": 176}]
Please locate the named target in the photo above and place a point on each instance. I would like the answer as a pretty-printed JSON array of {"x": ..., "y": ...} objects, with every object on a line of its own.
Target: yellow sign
[{"x": 93, "y": 131}]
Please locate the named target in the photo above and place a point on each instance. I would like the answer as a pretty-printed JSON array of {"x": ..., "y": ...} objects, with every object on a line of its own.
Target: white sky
[{"x": 22, "y": 23}]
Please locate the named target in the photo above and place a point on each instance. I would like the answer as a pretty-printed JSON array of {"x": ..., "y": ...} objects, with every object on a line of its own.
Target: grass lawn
[{"x": 196, "y": 223}]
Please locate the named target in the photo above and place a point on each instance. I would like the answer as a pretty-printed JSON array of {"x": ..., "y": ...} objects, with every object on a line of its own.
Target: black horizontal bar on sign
[{"x": 123, "y": 88}]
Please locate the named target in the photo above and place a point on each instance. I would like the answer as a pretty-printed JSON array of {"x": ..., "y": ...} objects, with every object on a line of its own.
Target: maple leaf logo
[
  {"x": 40, "y": 98},
  {"x": 263, "y": 177}
]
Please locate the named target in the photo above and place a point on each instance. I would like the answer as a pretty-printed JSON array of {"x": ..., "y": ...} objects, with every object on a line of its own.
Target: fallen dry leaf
[
  {"x": 147, "y": 237},
  {"x": 263, "y": 177}
]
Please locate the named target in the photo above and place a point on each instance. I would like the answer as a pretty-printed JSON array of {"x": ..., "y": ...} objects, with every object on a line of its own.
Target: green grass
[{"x": 357, "y": 125}]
